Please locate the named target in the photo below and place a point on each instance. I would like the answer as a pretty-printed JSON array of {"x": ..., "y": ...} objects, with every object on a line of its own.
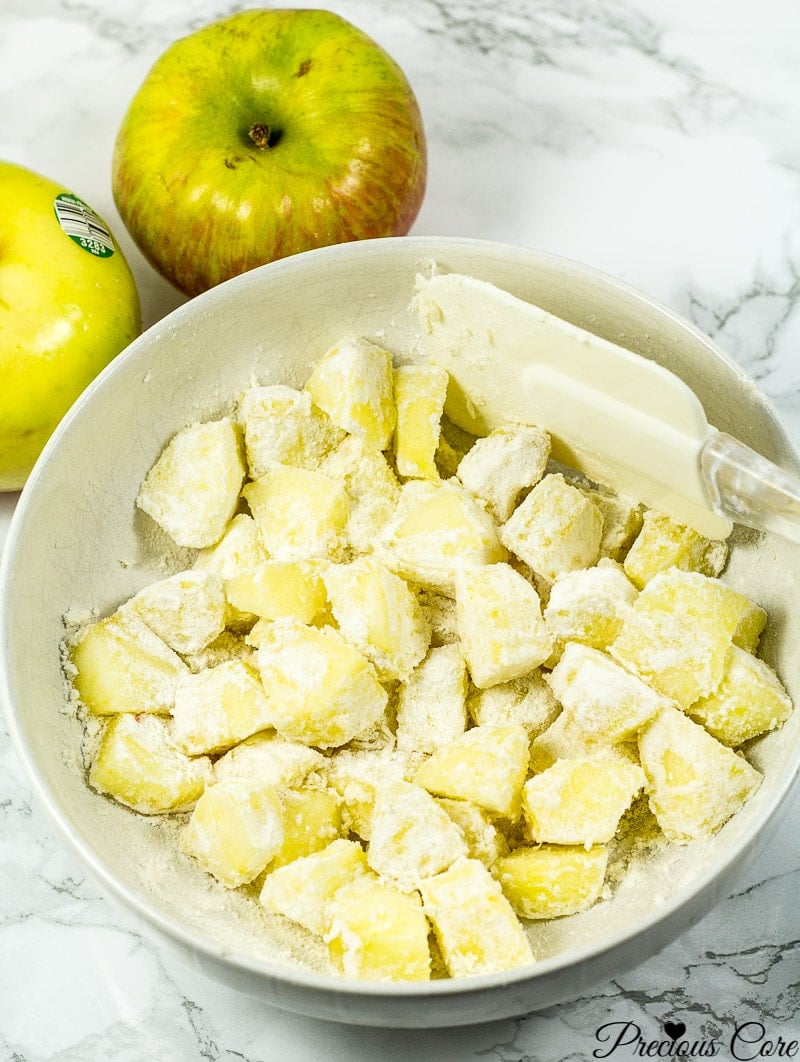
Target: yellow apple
[
  {"x": 265, "y": 134},
  {"x": 68, "y": 305}
]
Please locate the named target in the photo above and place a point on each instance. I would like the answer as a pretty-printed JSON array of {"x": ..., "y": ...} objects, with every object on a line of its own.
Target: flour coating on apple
[{"x": 373, "y": 728}]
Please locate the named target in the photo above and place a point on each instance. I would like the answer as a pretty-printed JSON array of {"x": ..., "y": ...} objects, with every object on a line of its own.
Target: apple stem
[{"x": 260, "y": 135}]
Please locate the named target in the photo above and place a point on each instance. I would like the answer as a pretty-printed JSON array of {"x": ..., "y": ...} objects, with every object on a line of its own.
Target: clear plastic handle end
[{"x": 749, "y": 489}]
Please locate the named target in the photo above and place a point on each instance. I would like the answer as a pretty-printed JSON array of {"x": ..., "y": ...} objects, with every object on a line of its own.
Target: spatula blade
[{"x": 619, "y": 418}]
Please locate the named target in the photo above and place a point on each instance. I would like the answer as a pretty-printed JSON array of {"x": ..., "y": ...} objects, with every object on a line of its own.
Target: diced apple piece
[
  {"x": 588, "y": 606},
  {"x": 420, "y": 392},
  {"x": 499, "y": 467},
  {"x": 234, "y": 831},
  {"x": 436, "y": 531},
  {"x": 526, "y": 701},
  {"x": 321, "y": 690},
  {"x": 580, "y": 801},
  {"x": 138, "y": 763},
  {"x": 379, "y": 614},
  {"x": 187, "y": 610},
  {"x": 261, "y": 629},
  {"x": 378, "y": 933},
  {"x": 474, "y": 923},
  {"x": 622, "y": 519},
  {"x": 239, "y": 550},
  {"x": 280, "y": 589},
  {"x": 311, "y": 818},
  {"x": 751, "y": 625},
  {"x": 193, "y": 488},
  {"x": 483, "y": 840},
  {"x": 354, "y": 384},
  {"x": 486, "y": 765},
  {"x": 282, "y": 427},
  {"x": 268, "y": 759},
  {"x": 120, "y": 665},
  {"x": 664, "y": 543},
  {"x": 219, "y": 707},
  {"x": 357, "y": 775},
  {"x": 564, "y": 740},
  {"x": 678, "y": 633},
  {"x": 750, "y": 700},
  {"x": 431, "y": 704},
  {"x": 411, "y": 836},
  {"x": 300, "y": 513},
  {"x": 550, "y": 881},
  {"x": 371, "y": 486},
  {"x": 704, "y": 596},
  {"x": 556, "y": 528},
  {"x": 601, "y": 698},
  {"x": 499, "y": 616},
  {"x": 303, "y": 889},
  {"x": 695, "y": 783}
]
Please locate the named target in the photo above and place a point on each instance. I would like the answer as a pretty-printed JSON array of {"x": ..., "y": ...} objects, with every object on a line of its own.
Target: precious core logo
[
  {"x": 615, "y": 1036},
  {"x": 748, "y": 1042}
]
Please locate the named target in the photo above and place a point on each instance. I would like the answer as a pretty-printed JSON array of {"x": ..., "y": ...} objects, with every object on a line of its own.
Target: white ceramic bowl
[{"x": 77, "y": 542}]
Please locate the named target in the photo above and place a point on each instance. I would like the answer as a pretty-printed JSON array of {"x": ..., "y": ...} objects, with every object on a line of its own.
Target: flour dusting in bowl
[{"x": 418, "y": 704}]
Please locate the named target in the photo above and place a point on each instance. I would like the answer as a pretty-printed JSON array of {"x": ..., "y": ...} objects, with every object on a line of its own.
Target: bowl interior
[{"x": 78, "y": 543}]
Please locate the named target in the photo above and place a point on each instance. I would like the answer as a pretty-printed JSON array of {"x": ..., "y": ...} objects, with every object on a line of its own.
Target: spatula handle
[{"x": 749, "y": 489}]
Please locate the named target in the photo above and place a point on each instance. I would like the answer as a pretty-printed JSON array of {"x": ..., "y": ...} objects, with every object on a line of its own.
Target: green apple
[
  {"x": 68, "y": 305},
  {"x": 265, "y": 134}
]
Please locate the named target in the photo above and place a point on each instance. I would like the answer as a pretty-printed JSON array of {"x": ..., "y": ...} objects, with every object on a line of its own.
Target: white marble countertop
[{"x": 659, "y": 142}]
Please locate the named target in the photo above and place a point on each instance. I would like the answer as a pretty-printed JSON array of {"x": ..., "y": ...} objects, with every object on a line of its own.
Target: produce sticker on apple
[
  {"x": 83, "y": 225},
  {"x": 68, "y": 305}
]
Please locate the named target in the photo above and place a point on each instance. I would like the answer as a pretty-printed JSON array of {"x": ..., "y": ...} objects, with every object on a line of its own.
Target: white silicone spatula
[{"x": 620, "y": 418}]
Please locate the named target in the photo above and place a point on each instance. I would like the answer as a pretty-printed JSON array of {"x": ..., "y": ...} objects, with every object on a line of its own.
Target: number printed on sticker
[{"x": 83, "y": 226}]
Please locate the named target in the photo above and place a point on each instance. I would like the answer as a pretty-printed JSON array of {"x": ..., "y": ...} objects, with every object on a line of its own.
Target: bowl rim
[{"x": 723, "y": 863}]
